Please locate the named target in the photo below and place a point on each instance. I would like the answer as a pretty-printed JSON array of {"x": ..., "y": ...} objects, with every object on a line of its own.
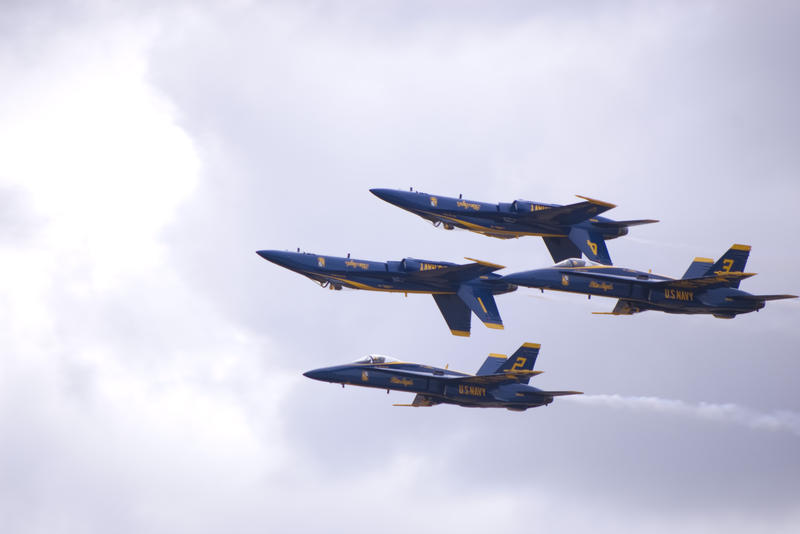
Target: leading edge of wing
[
  {"x": 570, "y": 213},
  {"x": 459, "y": 273},
  {"x": 515, "y": 376}
]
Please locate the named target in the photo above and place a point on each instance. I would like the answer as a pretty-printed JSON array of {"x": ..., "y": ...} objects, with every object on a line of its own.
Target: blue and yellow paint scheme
[
  {"x": 567, "y": 230},
  {"x": 707, "y": 287},
  {"x": 459, "y": 290},
  {"x": 501, "y": 382}
]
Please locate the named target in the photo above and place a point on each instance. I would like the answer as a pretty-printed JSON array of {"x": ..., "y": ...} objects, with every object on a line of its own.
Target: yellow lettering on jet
[
  {"x": 468, "y": 205},
  {"x": 475, "y": 391},
  {"x": 539, "y": 207},
  {"x": 678, "y": 294},
  {"x": 592, "y": 246},
  {"x": 430, "y": 266},
  {"x": 354, "y": 264},
  {"x": 402, "y": 381},
  {"x": 364, "y": 376},
  {"x": 605, "y": 286}
]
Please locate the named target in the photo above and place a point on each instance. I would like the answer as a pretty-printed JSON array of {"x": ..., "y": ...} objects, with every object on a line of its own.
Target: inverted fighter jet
[
  {"x": 707, "y": 287},
  {"x": 567, "y": 230},
  {"x": 501, "y": 382},
  {"x": 458, "y": 290}
]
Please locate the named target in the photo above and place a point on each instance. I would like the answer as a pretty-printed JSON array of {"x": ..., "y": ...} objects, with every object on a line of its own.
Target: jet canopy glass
[
  {"x": 576, "y": 262},
  {"x": 375, "y": 358}
]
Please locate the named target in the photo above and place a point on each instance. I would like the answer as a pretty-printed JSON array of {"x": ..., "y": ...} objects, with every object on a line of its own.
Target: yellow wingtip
[
  {"x": 745, "y": 248},
  {"x": 462, "y": 333},
  {"x": 532, "y": 345},
  {"x": 486, "y": 263},
  {"x": 598, "y": 202},
  {"x": 496, "y": 326}
]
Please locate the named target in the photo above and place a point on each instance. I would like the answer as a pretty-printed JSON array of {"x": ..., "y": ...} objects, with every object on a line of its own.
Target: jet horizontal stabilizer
[{"x": 562, "y": 393}]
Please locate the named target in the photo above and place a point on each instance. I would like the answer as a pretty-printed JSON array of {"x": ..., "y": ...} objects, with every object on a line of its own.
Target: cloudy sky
[{"x": 150, "y": 362}]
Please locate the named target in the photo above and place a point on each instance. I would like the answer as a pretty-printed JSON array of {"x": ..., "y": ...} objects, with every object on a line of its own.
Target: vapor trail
[{"x": 780, "y": 420}]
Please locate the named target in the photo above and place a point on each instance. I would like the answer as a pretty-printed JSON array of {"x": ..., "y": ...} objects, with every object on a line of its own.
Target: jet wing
[
  {"x": 562, "y": 393},
  {"x": 458, "y": 273},
  {"x": 414, "y": 374},
  {"x": 499, "y": 378},
  {"x": 720, "y": 279},
  {"x": 569, "y": 214},
  {"x": 624, "y": 224}
]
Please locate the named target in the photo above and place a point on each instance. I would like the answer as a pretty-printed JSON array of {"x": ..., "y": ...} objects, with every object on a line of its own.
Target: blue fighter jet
[
  {"x": 458, "y": 290},
  {"x": 567, "y": 230},
  {"x": 707, "y": 287},
  {"x": 501, "y": 382}
]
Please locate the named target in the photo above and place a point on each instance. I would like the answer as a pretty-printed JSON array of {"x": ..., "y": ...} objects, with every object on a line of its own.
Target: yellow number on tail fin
[
  {"x": 727, "y": 263},
  {"x": 519, "y": 365}
]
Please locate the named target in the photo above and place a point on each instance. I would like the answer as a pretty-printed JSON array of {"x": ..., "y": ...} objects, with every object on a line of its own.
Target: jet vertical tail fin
[
  {"x": 698, "y": 268},
  {"x": 591, "y": 244},
  {"x": 733, "y": 261},
  {"x": 522, "y": 360},
  {"x": 561, "y": 248},
  {"x": 492, "y": 364},
  {"x": 456, "y": 313},
  {"x": 481, "y": 302}
]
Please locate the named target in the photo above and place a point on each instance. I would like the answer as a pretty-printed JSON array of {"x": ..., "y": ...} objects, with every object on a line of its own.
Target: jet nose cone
[
  {"x": 392, "y": 196},
  {"x": 315, "y": 374},
  {"x": 275, "y": 256}
]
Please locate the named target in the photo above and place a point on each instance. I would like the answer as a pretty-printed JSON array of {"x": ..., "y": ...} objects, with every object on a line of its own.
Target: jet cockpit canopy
[
  {"x": 376, "y": 358},
  {"x": 576, "y": 262}
]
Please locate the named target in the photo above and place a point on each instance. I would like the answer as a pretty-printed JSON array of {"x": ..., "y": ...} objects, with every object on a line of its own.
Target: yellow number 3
[{"x": 727, "y": 263}]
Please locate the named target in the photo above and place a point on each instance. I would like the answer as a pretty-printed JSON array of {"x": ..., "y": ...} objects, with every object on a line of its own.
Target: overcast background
[{"x": 150, "y": 362}]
